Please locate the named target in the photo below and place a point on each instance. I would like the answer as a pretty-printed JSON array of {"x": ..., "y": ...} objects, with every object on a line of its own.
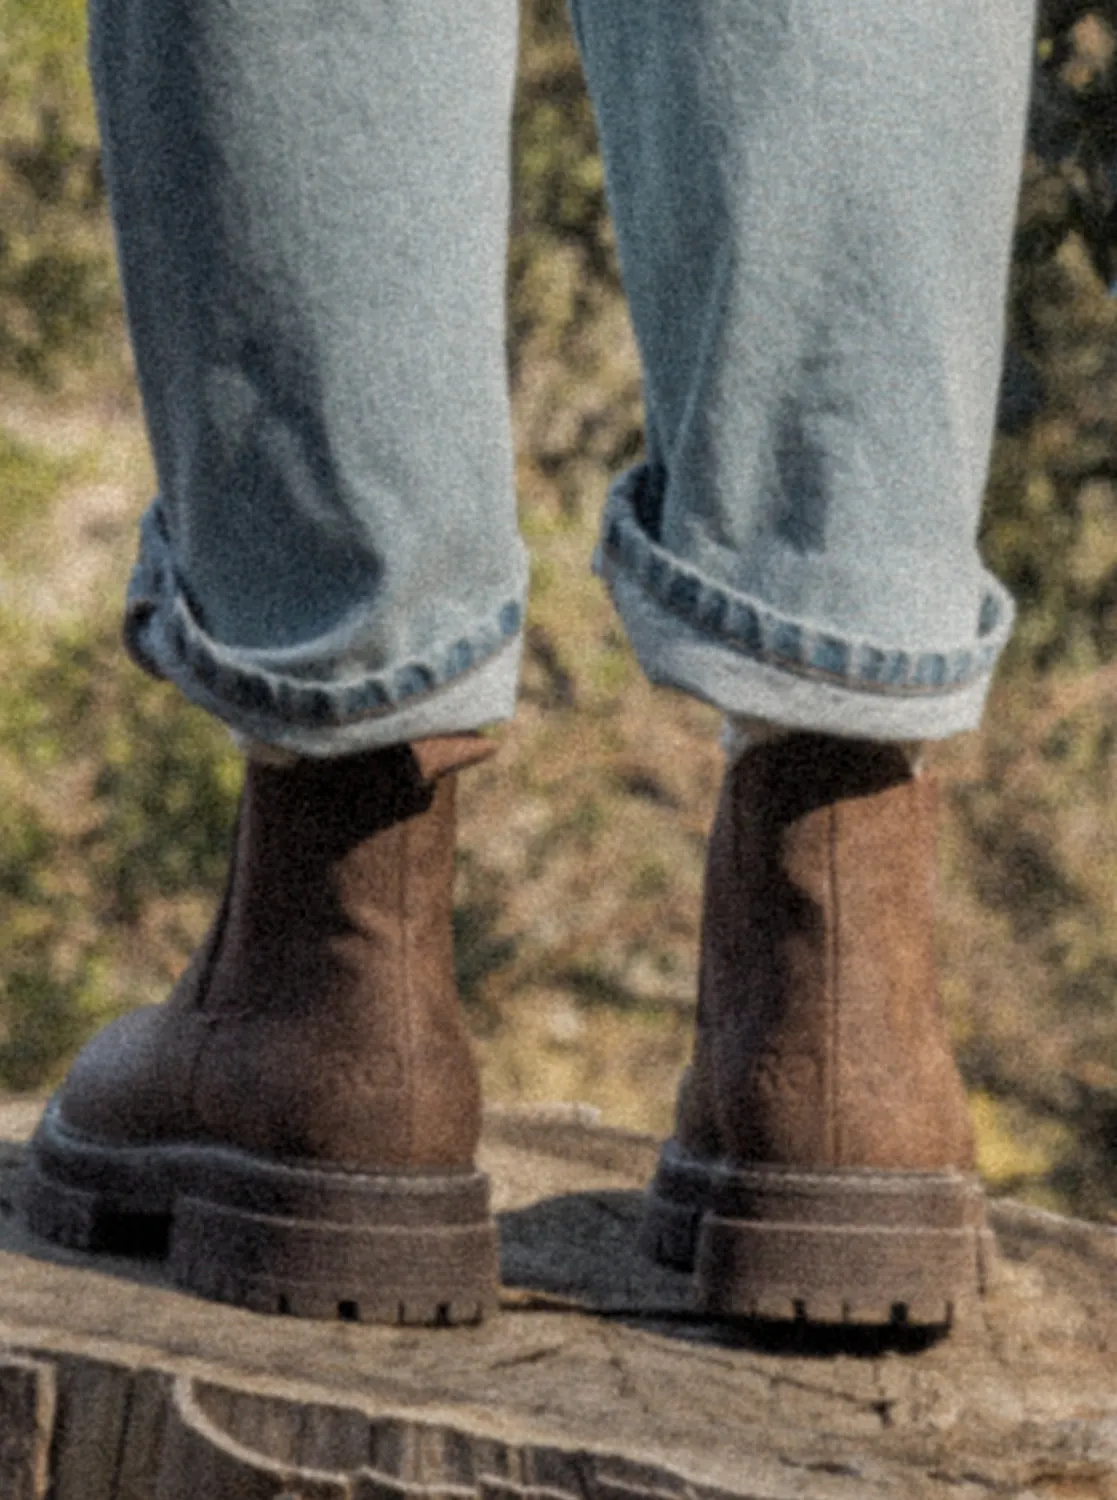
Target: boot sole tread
[
  {"x": 847, "y": 1246},
  {"x": 308, "y": 1240}
]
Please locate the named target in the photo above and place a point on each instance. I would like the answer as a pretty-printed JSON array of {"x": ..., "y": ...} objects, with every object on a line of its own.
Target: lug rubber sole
[
  {"x": 276, "y": 1237},
  {"x": 842, "y": 1245}
]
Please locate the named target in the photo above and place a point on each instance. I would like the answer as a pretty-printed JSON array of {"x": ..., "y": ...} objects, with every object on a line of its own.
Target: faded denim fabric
[
  {"x": 311, "y": 205},
  {"x": 814, "y": 203}
]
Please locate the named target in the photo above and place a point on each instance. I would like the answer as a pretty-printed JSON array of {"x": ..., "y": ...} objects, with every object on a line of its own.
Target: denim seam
[
  {"x": 758, "y": 632},
  {"x": 296, "y": 702}
]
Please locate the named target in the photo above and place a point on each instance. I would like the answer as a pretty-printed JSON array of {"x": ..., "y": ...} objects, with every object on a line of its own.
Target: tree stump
[{"x": 596, "y": 1382}]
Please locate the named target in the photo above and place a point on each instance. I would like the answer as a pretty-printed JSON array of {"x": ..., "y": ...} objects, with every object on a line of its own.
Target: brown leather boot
[
  {"x": 302, "y": 1113},
  {"x": 822, "y": 1165}
]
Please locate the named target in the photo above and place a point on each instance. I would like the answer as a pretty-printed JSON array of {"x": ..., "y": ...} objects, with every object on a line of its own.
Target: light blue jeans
[{"x": 814, "y": 201}]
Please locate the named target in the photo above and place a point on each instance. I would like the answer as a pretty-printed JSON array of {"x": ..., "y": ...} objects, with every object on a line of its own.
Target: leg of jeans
[
  {"x": 311, "y": 209},
  {"x": 814, "y": 202}
]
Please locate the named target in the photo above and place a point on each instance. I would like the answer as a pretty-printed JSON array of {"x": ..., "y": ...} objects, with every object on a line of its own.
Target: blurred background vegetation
[{"x": 580, "y": 870}]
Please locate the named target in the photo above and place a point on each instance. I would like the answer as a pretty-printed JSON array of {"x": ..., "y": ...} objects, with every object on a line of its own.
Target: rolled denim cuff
[
  {"x": 314, "y": 700},
  {"x": 696, "y": 634}
]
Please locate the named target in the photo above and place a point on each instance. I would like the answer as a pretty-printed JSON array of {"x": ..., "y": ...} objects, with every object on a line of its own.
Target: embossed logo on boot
[{"x": 786, "y": 1089}]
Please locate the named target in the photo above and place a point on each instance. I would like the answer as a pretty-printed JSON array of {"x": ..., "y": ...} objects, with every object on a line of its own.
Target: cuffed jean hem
[
  {"x": 466, "y": 684},
  {"x": 695, "y": 634}
]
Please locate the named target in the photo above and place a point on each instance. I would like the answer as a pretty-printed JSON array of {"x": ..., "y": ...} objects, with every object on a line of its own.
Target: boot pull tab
[{"x": 438, "y": 756}]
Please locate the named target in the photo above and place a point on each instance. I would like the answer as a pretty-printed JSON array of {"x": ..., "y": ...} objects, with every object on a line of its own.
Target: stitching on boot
[
  {"x": 406, "y": 1021},
  {"x": 834, "y": 1142}
]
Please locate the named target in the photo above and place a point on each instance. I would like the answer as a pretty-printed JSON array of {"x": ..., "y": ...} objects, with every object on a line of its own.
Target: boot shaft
[
  {"x": 342, "y": 869},
  {"x": 821, "y": 1041},
  {"x": 320, "y": 1021}
]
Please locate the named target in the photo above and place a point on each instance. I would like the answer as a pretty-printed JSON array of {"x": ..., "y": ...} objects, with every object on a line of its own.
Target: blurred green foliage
[
  {"x": 1049, "y": 502},
  {"x": 57, "y": 290},
  {"x": 118, "y": 801},
  {"x": 1032, "y": 858},
  {"x": 118, "y": 798}
]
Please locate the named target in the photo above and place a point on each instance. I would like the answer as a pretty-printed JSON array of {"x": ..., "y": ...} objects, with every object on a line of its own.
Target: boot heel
[
  {"x": 842, "y": 1246},
  {"x": 408, "y": 1248},
  {"x": 674, "y": 1203},
  {"x": 281, "y": 1237}
]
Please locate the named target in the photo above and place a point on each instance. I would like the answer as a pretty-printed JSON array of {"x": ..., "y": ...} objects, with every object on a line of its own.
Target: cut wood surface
[{"x": 596, "y": 1380}]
